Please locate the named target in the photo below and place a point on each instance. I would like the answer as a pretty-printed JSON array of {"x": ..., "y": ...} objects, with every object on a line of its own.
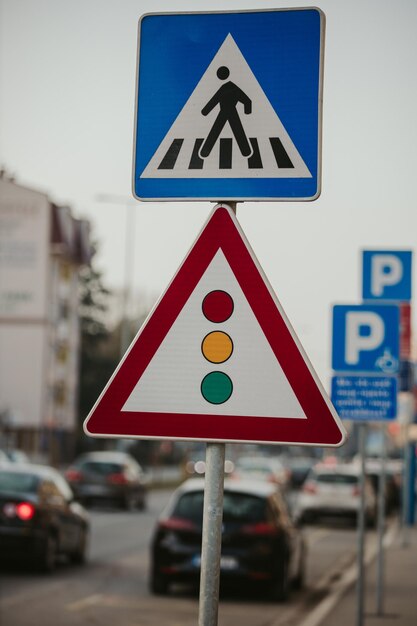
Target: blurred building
[{"x": 42, "y": 247}]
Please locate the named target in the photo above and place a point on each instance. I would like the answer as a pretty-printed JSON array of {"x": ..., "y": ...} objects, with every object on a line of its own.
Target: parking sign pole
[
  {"x": 212, "y": 534},
  {"x": 361, "y": 528},
  {"x": 405, "y": 486},
  {"x": 381, "y": 526}
]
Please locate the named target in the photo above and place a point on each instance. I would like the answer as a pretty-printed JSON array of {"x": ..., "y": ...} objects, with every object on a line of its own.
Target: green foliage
[{"x": 99, "y": 352}]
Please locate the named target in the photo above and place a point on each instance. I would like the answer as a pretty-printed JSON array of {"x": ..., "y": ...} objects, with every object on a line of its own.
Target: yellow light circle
[{"x": 217, "y": 347}]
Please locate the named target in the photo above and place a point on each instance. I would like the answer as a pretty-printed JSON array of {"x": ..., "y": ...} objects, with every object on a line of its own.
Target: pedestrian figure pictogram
[{"x": 227, "y": 97}]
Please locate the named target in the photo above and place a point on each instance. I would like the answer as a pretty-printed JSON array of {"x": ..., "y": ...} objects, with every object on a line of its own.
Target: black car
[
  {"x": 39, "y": 518},
  {"x": 298, "y": 469},
  {"x": 108, "y": 476},
  {"x": 260, "y": 543}
]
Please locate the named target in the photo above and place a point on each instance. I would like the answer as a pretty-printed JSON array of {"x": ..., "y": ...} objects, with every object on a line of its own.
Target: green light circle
[{"x": 216, "y": 387}]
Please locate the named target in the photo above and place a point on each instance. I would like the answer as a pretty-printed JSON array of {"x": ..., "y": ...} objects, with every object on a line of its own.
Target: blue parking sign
[
  {"x": 229, "y": 105},
  {"x": 366, "y": 338},
  {"x": 387, "y": 275}
]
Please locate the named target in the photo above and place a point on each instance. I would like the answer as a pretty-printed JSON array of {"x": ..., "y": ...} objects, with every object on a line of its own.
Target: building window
[
  {"x": 65, "y": 271},
  {"x": 62, "y": 352},
  {"x": 64, "y": 310},
  {"x": 60, "y": 393}
]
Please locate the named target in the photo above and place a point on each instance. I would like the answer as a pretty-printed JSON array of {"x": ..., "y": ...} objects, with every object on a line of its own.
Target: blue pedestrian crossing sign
[{"x": 229, "y": 106}]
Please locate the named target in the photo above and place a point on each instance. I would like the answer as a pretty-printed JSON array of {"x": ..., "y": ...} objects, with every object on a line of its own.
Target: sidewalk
[{"x": 400, "y": 589}]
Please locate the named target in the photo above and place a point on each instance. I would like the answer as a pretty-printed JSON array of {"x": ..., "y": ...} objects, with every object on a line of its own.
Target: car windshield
[
  {"x": 18, "y": 482},
  {"x": 100, "y": 468},
  {"x": 237, "y": 507},
  {"x": 254, "y": 466},
  {"x": 17, "y": 456},
  {"x": 337, "y": 479}
]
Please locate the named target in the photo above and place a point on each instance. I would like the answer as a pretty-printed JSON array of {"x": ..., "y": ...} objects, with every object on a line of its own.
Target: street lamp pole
[{"x": 129, "y": 205}]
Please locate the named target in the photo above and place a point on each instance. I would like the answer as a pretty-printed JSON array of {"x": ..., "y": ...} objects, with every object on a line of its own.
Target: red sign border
[{"x": 322, "y": 425}]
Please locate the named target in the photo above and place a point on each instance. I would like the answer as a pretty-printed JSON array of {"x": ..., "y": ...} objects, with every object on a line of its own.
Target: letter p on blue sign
[
  {"x": 387, "y": 275},
  {"x": 366, "y": 338}
]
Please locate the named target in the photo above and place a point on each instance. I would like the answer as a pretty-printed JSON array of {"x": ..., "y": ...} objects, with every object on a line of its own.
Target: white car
[
  {"x": 4, "y": 459},
  {"x": 270, "y": 469},
  {"x": 334, "y": 491}
]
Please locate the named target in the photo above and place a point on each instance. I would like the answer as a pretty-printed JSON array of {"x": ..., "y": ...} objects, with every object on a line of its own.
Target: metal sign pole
[
  {"x": 381, "y": 527},
  {"x": 211, "y": 545},
  {"x": 361, "y": 528},
  {"x": 212, "y": 527},
  {"x": 212, "y": 534},
  {"x": 405, "y": 488}
]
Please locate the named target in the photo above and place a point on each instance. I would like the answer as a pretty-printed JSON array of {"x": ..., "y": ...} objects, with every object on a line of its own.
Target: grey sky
[{"x": 67, "y": 83}]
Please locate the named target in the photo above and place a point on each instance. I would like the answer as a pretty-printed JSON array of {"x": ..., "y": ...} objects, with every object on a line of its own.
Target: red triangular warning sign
[{"x": 217, "y": 359}]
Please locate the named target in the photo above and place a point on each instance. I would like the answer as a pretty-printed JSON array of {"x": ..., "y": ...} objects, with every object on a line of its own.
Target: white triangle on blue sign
[{"x": 272, "y": 152}]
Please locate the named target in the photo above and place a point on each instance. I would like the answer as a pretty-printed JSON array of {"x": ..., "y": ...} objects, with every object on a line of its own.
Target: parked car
[
  {"x": 298, "y": 470},
  {"x": 39, "y": 518},
  {"x": 393, "y": 480},
  {"x": 260, "y": 543},
  {"x": 17, "y": 456},
  {"x": 108, "y": 476},
  {"x": 198, "y": 467},
  {"x": 4, "y": 459},
  {"x": 334, "y": 491},
  {"x": 266, "y": 468}
]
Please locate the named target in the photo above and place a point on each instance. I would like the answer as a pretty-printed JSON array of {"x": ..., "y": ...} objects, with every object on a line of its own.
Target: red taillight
[
  {"x": 177, "y": 523},
  {"x": 73, "y": 476},
  {"x": 23, "y": 510},
  {"x": 310, "y": 487},
  {"x": 356, "y": 491},
  {"x": 117, "y": 479},
  {"x": 259, "y": 575},
  {"x": 261, "y": 528}
]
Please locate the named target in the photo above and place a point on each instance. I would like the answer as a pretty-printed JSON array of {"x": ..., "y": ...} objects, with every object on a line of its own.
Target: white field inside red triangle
[
  {"x": 172, "y": 381},
  {"x": 262, "y": 124}
]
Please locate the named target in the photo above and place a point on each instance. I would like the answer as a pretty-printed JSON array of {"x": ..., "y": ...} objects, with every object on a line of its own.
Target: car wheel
[
  {"x": 142, "y": 503},
  {"x": 309, "y": 518},
  {"x": 49, "y": 554},
  {"x": 79, "y": 556},
  {"x": 371, "y": 520},
  {"x": 159, "y": 584},
  {"x": 281, "y": 585},
  {"x": 299, "y": 580},
  {"x": 129, "y": 502}
]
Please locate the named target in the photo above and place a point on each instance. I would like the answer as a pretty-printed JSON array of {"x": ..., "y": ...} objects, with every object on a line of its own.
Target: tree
[{"x": 99, "y": 352}]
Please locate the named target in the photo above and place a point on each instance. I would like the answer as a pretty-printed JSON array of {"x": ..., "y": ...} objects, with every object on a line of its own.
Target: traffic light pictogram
[{"x": 217, "y": 347}]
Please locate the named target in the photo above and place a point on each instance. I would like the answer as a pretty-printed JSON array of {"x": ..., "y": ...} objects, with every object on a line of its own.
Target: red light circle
[{"x": 218, "y": 306}]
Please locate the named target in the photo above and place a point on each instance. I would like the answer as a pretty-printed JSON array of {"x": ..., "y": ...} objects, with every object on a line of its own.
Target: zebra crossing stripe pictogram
[
  {"x": 227, "y": 129},
  {"x": 226, "y": 152}
]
